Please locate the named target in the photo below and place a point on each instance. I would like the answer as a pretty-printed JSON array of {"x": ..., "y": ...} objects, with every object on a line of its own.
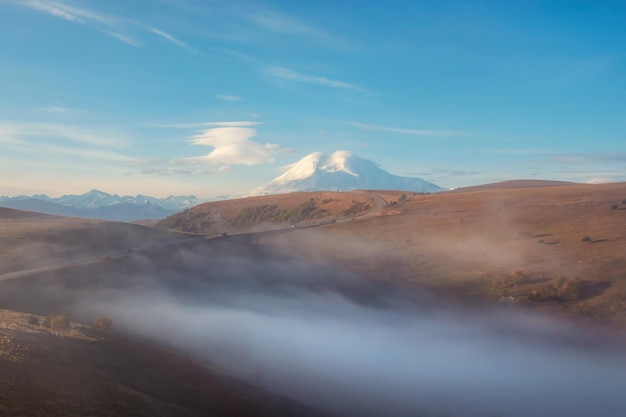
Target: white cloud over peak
[
  {"x": 234, "y": 146},
  {"x": 287, "y": 74}
]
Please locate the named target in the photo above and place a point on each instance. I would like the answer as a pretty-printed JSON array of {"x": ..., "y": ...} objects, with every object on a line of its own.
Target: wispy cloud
[
  {"x": 58, "y": 139},
  {"x": 589, "y": 158},
  {"x": 56, "y": 109},
  {"x": 90, "y": 154},
  {"x": 116, "y": 27},
  {"x": 281, "y": 23},
  {"x": 226, "y": 97},
  {"x": 171, "y": 38},
  {"x": 129, "y": 40},
  {"x": 51, "y": 8},
  {"x": 415, "y": 132},
  {"x": 53, "y": 131},
  {"x": 107, "y": 24},
  {"x": 520, "y": 151},
  {"x": 65, "y": 11},
  {"x": 234, "y": 146},
  {"x": 287, "y": 74},
  {"x": 206, "y": 124},
  {"x": 447, "y": 172},
  {"x": 187, "y": 171}
]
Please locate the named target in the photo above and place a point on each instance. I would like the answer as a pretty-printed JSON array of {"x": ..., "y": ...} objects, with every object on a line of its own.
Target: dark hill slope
[
  {"x": 29, "y": 239},
  {"x": 79, "y": 375}
]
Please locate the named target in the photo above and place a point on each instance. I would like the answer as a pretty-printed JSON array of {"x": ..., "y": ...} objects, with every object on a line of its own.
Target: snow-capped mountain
[
  {"x": 95, "y": 199},
  {"x": 101, "y": 205},
  {"x": 341, "y": 171}
]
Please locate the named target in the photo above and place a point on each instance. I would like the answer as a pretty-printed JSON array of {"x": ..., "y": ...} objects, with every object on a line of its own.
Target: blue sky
[{"x": 209, "y": 98}]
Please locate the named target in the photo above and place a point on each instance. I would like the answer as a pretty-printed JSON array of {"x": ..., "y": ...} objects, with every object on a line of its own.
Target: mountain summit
[{"x": 341, "y": 171}]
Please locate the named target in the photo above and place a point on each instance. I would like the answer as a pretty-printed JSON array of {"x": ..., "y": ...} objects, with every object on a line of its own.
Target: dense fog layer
[{"x": 340, "y": 343}]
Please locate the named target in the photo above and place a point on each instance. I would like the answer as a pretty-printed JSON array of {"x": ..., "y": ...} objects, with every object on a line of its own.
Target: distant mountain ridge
[
  {"x": 340, "y": 171},
  {"x": 100, "y": 205}
]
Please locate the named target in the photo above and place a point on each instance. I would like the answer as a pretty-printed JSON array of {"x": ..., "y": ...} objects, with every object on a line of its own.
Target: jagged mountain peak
[{"x": 102, "y": 205}]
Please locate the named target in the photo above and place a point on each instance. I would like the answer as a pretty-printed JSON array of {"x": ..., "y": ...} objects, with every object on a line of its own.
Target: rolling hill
[
  {"x": 514, "y": 242},
  {"x": 280, "y": 211},
  {"x": 257, "y": 303}
]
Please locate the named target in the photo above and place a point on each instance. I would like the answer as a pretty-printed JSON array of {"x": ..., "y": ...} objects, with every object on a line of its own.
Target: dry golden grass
[
  {"x": 216, "y": 217},
  {"x": 459, "y": 243}
]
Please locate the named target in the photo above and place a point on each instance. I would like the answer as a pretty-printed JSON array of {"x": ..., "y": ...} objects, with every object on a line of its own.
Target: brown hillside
[
  {"x": 30, "y": 240},
  {"x": 282, "y": 210},
  {"x": 522, "y": 245}
]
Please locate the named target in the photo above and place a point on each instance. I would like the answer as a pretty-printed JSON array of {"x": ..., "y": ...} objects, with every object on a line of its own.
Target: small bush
[
  {"x": 47, "y": 320},
  {"x": 59, "y": 324},
  {"x": 614, "y": 207},
  {"x": 586, "y": 239},
  {"x": 567, "y": 289},
  {"x": 103, "y": 325},
  {"x": 34, "y": 320}
]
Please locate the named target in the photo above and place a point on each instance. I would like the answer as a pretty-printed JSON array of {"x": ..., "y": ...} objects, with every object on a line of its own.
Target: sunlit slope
[
  {"x": 281, "y": 210},
  {"x": 507, "y": 245}
]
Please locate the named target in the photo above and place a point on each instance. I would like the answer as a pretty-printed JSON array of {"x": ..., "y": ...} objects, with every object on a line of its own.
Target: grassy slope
[
  {"x": 506, "y": 245},
  {"x": 233, "y": 216}
]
